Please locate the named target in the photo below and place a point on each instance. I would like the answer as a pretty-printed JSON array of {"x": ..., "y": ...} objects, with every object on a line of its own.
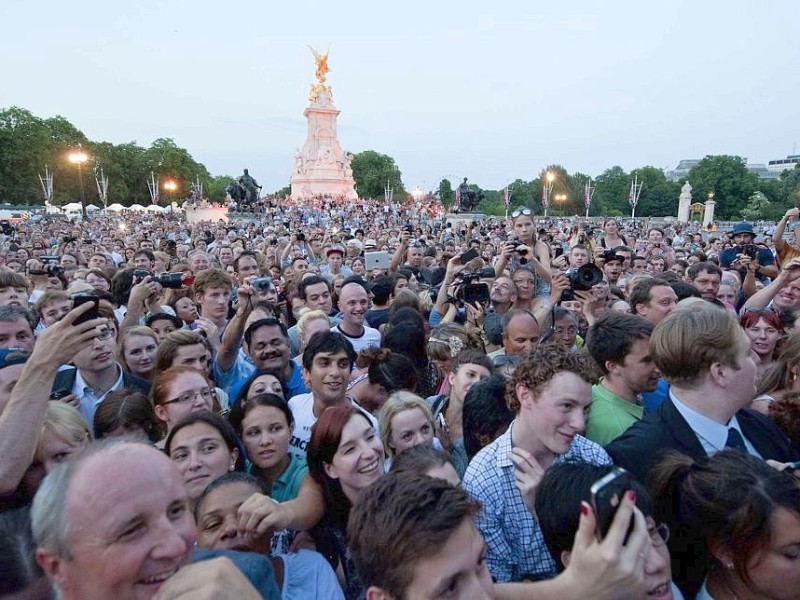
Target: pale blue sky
[{"x": 491, "y": 90}]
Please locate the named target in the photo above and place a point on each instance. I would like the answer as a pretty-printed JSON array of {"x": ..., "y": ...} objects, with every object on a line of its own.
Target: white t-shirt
[
  {"x": 302, "y": 407},
  {"x": 371, "y": 338}
]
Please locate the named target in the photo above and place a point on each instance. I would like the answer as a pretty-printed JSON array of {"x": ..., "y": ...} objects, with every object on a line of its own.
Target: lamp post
[
  {"x": 170, "y": 186},
  {"x": 78, "y": 157},
  {"x": 547, "y": 188},
  {"x": 561, "y": 199}
]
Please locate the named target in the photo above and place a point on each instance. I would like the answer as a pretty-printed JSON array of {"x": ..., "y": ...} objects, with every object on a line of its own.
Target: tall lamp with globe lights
[
  {"x": 170, "y": 186},
  {"x": 547, "y": 188},
  {"x": 79, "y": 157}
]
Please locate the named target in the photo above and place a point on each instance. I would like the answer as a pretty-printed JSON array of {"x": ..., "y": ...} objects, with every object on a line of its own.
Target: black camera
[
  {"x": 173, "y": 281},
  {"x": 750, "y": 251},
  {"x": 581, "y": 279},
  {"x": 49, "y": 267},
  {"x": 263, "y": 284},
  {"x": 7, "y": 227},
  {"x": 301, "y": 237},
  {"x": 471, "y": 289}
]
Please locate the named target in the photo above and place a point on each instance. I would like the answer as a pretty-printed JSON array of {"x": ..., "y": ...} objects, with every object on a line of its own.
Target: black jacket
[
  {"x": 639, "y": 449},
  {"x": 65, "y": 379}
]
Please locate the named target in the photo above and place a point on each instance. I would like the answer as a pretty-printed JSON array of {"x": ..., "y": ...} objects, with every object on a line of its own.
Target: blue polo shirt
[{"x": 232, "y": 380}]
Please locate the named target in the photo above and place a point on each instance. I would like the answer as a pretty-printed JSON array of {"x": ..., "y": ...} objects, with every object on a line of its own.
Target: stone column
[{"x": 708, "y": 215}]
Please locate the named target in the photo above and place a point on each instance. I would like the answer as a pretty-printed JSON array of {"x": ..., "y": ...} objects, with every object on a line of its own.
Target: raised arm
[{"x": 21, "y": 419}]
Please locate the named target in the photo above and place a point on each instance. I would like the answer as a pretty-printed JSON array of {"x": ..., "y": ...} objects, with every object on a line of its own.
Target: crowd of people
[{"x": 368, "y": 400}]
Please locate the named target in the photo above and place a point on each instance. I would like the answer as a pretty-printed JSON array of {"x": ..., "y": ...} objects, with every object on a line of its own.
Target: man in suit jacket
[
  {"x": 707, "y": 360},
  {"x": 706, "y": 357},
  {"x": 96, "y": 372}
]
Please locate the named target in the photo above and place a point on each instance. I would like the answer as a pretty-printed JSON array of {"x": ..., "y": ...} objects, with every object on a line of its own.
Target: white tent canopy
[
  {"x": 92, "y": 208},
  {"x": 154, "y": 208},
  {"x": 136, "y": 207},
  {"x": 72, "y": 206},
  {"x": 116, "y": 207}
]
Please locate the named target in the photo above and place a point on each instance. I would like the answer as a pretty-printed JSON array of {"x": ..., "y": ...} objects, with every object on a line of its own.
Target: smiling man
[
  {"x": 550, "y": 393},
  {"x": 102, "y": 536},
  {"x": 354, "y": 304},
  {"x": 327, "y": 362}
]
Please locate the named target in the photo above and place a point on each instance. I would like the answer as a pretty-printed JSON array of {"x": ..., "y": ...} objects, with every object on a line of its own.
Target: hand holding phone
[{"x": 607, "y": 495}]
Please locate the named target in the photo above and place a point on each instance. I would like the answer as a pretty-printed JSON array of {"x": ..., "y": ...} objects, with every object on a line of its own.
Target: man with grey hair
[
  {"x": 101, "y": 536},
  {"x": 16, "y": 328}
]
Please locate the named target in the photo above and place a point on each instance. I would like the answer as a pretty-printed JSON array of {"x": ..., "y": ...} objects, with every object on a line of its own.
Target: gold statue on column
[
  {"x": 322, "y": 64},
  {"x": 319, "y": 92}
]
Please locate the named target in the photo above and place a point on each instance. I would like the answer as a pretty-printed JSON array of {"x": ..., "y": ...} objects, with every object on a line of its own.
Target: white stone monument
[
  {"x": 322, "y": 168},
  {"x": 708, "y": 214},
  {"x": 683, "y": 203}
]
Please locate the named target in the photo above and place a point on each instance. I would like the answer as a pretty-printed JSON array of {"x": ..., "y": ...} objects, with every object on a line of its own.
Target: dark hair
[
  {"x": 558, "y": 501},
  {"x": 326, "y": 435},
  {"x": 277, "y": 373},
  {"x": 256, "y": 325},
  {"x": 162, "y": 316},
  {"x": 121, "y": 286},
  {"x": 212, "y": 420},
  {"x": 728, "y": 498},
  {"x": 381, "y": 289},
  {"x": 391, "y": 370},
  {"x": 420, "y": 458},
  {"x": 229, "y": 477},
  {"x": 129, "y": 409},
  {"x": 244, "y": 254},
  {"x": 409, "y": 339},
  {"x": 329, "y": 342},
  {"x": 612, "y": 335},
  {"x": 400, "y": 521},
  {"x": 640, "y": 294},
  {"x": 12, "y": 314},
  {"x": 150, "y": 256},
  {"x": 265, "y": 399},
  {"x": 485, "y": 413},
  {"x": 702, "y": 267},
  {"x": 18, "y": 554},
  {"x": 310, "y": 280},
  {"x": 684, "y": 290}
]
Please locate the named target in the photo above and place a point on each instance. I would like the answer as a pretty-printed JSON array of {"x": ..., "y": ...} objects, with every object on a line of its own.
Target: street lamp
[
  {"x": 78, "y": 157},
  {"x": 170, "y": 186},
  {"x": 547, "y": 188},
  {"x": 561, "y": 199}
]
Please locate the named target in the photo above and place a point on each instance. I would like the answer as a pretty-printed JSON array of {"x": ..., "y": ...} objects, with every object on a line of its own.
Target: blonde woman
[
  {"x": 309, "y": 323},
  {"x": 406, "y": 421},
  {"x": 136, "y": 351},
  {"x": 64, "y": 432}
]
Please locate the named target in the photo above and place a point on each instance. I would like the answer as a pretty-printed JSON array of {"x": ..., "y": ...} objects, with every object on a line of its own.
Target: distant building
[
  {"x": 682, "y": 170},
  {"x": 783, "y": 164},
  {"x": 771, "y": 170}
]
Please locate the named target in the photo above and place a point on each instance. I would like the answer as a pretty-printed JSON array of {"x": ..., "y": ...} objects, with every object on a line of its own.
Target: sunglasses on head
[{"x": 521, "y": 211}]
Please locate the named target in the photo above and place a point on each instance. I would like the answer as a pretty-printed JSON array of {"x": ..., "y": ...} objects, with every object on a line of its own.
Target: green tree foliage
[
  {"x": 730, "y": 181},
  {"x": 659, "y": 197},
  {"x": 611, "y": 193},
  {"x": 758, "y": 207},
  {"x": 446, "y": 193},
  {"x": 372, "y": 171},
  {"x": 790, "y": 186}
]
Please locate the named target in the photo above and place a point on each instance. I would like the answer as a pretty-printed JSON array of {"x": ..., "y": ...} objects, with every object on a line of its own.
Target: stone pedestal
[
  {"x": 683, "y": 203},
  {"x": 708, "y": 214},
  {"x": 460, "y": 221},
  {"x": 196, "y": 214},
  {"x": 322, "y": 168}
]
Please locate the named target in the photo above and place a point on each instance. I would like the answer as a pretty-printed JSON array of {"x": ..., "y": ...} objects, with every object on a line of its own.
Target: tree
[
  {"x": 757, "y": 206},
  {"x": 611, "y": 192},
  {"x": 372, "y": 171},
  {"x": 446, "y": 194},
  {"x": 729, "y": 180},
  {"x": 659, "y": 197}
]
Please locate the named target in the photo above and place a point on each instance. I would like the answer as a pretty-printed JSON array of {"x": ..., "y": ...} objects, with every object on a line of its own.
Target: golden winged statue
[{"x": 322, "y": 64}]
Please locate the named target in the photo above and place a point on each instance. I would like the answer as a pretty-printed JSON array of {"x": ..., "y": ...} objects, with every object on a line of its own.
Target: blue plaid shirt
[{"x": 516, "y": 547}]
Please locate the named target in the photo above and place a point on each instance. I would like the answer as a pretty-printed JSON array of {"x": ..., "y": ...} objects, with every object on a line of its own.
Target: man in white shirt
[
  {"x": 354, "y": 304},
  {"x": 327, "y": 362}
]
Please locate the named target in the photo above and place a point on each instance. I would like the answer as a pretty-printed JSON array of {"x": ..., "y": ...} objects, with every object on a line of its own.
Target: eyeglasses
[
  {"x": 521, "y": 211},
  {"x": 659, "y": 534},
  {"x": 104, "y": 334},
  {"x": 503, "y": 359},
  {"x": 758, "y": 311},
  {"x": 187, "y": 397}
]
